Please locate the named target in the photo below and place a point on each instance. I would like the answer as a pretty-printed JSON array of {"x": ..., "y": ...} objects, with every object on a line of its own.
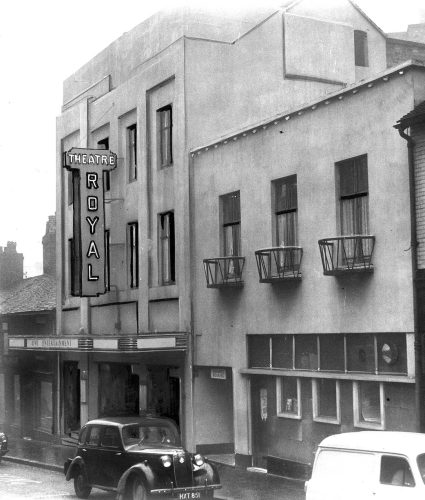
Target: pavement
[{"x": 237, "y": 484}]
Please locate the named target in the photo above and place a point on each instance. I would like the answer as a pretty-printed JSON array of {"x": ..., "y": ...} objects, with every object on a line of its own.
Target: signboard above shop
[{"x": 88, "y": 242}]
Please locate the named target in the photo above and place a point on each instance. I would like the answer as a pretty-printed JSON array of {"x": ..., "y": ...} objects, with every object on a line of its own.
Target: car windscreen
[
  {"x": 151, "y": 434},
  {"x": 421, "y": 465}
]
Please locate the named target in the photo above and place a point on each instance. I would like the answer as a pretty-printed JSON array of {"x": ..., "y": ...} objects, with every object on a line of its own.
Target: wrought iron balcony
[
  {"x": 279, "y": 264},
  {"x": 347, "y": 254},
  {"x": 224, "y": 272}
]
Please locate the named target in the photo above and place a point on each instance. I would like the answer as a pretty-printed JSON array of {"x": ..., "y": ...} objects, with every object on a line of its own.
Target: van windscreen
[{"x": 421, "y": 465}]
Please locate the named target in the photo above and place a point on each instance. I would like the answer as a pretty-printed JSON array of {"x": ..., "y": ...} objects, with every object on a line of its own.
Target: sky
[{"x": 42, "y": 43}]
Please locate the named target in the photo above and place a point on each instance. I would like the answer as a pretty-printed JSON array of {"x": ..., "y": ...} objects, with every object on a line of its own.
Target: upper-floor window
[
  {"x": 165, "y": 136},
  {"x": 285, "y": 191},
  {"x": 133, "y": 254},
  {"x": 104, "y": 144},
  {"x": 132, "y": 152},
  {"x": 231, "y": 224},
  {"x": 360, "y": 48},
  {"x": 354, "y": 196},
  {"x": 167, "y": 260}
]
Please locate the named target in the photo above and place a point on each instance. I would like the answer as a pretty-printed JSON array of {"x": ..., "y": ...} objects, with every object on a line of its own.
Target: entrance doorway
[
  {"x": 163, "y": 393},
  {"x": 71, "y": 385},
  {"x": 262, "y": 397}
]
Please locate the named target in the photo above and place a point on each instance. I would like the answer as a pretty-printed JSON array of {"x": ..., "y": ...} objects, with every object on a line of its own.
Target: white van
[{"x": 369, "y": 465}]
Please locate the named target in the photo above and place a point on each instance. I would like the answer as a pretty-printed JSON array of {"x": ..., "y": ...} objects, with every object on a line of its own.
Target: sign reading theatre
[{"x": 87, "y": 166}]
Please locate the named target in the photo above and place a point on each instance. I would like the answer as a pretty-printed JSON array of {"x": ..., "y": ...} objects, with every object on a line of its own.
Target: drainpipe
[{"x": 413, "y": 249}]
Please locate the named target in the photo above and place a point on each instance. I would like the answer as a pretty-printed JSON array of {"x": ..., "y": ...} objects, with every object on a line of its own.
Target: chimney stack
[
  {"x": 11, "y": 266},
  {"x": 49, "y": 246}
]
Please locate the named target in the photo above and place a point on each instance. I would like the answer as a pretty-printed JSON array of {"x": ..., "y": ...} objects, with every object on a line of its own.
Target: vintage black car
[
  {"x": 3, "y": 444},
  {"x": 139, "y": 458}
]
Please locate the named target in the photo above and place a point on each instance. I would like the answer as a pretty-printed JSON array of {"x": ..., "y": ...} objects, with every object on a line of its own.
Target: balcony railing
[
  {"x": 279, "y": 264},
  {"x": 224, "y": 272},
  {"x": 347, "y": 254}
]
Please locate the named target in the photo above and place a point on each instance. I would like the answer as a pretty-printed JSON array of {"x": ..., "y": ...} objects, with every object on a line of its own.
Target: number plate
[{"x": 189, "y": 495}]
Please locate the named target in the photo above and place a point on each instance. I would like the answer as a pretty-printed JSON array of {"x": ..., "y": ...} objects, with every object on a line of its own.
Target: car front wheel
[
  {"x": 82, "y": 489},
  {"x": 138, "y": 491}
]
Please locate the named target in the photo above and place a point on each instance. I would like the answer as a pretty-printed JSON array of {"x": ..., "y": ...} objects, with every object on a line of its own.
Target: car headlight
[
  {"x": 166, "y": 461},
  {"x": 199, "y": 459}
]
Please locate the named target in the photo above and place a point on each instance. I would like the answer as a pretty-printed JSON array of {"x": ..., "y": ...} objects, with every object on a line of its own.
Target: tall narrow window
[
  {"x": 231, "y": 210},
  {"x": 133, "y": 254},
  {"x": 104, "y": 144},
  {"x": 165, "y": 136},
  {"x": 231, "y": 224},
  {"x": 132, "y": 152},
  {"x": 107, "y": 260},
  {"x": 167, "y": 248},
  {"x": 360, "y": 48},
  {"x": 286, "y": 211},
  {"x": 354, "y": 206}
]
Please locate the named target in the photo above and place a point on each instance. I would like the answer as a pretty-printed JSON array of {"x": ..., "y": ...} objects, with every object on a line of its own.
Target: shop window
[
  {"x": 283, "y": 351},
  {"x": 368, "y": 405},
  {"x": 44, "y": 407},
  {"x": 306, "y": 352},
  {"x": 360, "y": 48},
  {"x": 288, "y": 391},
  {"x": 167, "y": 249},
  {"x": 259, "y": 351},
  {"x": 118, "y": 390},
  {"x": 133, "y": 254},
  {"x": 285, "y": 191},
  {"x": 132, "y": 152},
  {"x": 326, "y": 400},
  {"x": 392, "y": 353},
  {"x": 396, "y": 471},
  {"x": 165, "y": 136},
  {"x": 331, "y": 352},
  {"x": 361, "y": 353},
  {"x": 104, "y": 144}
]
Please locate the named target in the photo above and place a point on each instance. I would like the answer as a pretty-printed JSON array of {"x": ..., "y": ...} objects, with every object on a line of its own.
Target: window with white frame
[
  {"x": 326, "y": 400},
  {"x": 167, "y": 244},
  {"x": 133, "y": 254},
  {"x": 368, "y": 404},
  {"x": 165, "y": 136},
  {"x": 132, "y": 152},
  {"x": 288, "y": 397}
]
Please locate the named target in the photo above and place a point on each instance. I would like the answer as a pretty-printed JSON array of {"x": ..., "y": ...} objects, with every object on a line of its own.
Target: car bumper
[{"x": 185, "y": 493}]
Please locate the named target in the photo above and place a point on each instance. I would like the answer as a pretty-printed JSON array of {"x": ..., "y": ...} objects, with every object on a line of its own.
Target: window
[
  {"x": 259, "y": 351},
  {"x": 361, "y": 353},
  {"x": 396, "y": 471},
  {"x": 231, "y": 232},
  {"x": 107, "y": 260},
  {"x": 368, "y": 401},
  {"x": 286, "y": 211},
  {"x": 133, "y": 254},
  {"x": 360, "y": 48},
  {"x": 104, "y": 144},
  {"x": 306, "y": 352},
  {"x": 165, "y": 136},
  {"x": 354, "y": 209},
  {"x": 111, "y": 438},
  {"x": 132, "y": 152},
  {"x": 93, "y": 437},
  {"x": 326, "y": 400},
  {"x": 288, "y": 397},
  {"x": 332, "y": 352},
  {"x": 167, "y": 248}
]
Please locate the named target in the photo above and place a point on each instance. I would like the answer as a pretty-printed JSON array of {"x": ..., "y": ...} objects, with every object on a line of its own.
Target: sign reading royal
[{"x": 88, "y": 249}]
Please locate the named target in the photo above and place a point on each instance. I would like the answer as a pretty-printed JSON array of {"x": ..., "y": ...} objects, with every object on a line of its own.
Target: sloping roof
[
  {"x": 417, "y": 115},
  {"x": 30, "y": 295}
]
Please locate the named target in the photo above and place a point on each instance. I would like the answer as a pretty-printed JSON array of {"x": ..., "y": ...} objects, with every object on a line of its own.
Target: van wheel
[
  {"x": 138, "y": 491},
  {"x": 81, "y": 487}
]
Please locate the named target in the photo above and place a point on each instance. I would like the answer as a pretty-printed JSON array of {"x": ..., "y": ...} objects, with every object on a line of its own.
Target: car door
[
  {"x": 90, "y": 454},
  {"x": 112, "y": 456},
  {"x": 396, "y": 479}
]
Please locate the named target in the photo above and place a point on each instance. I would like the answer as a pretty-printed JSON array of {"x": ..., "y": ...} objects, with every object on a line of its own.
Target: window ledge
[
  {"x": 164, "y": 292},
  {"x": 370, "y": 425},
  {"x": 327, "y": 420},
  {"x": 289, "y": 415}
]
